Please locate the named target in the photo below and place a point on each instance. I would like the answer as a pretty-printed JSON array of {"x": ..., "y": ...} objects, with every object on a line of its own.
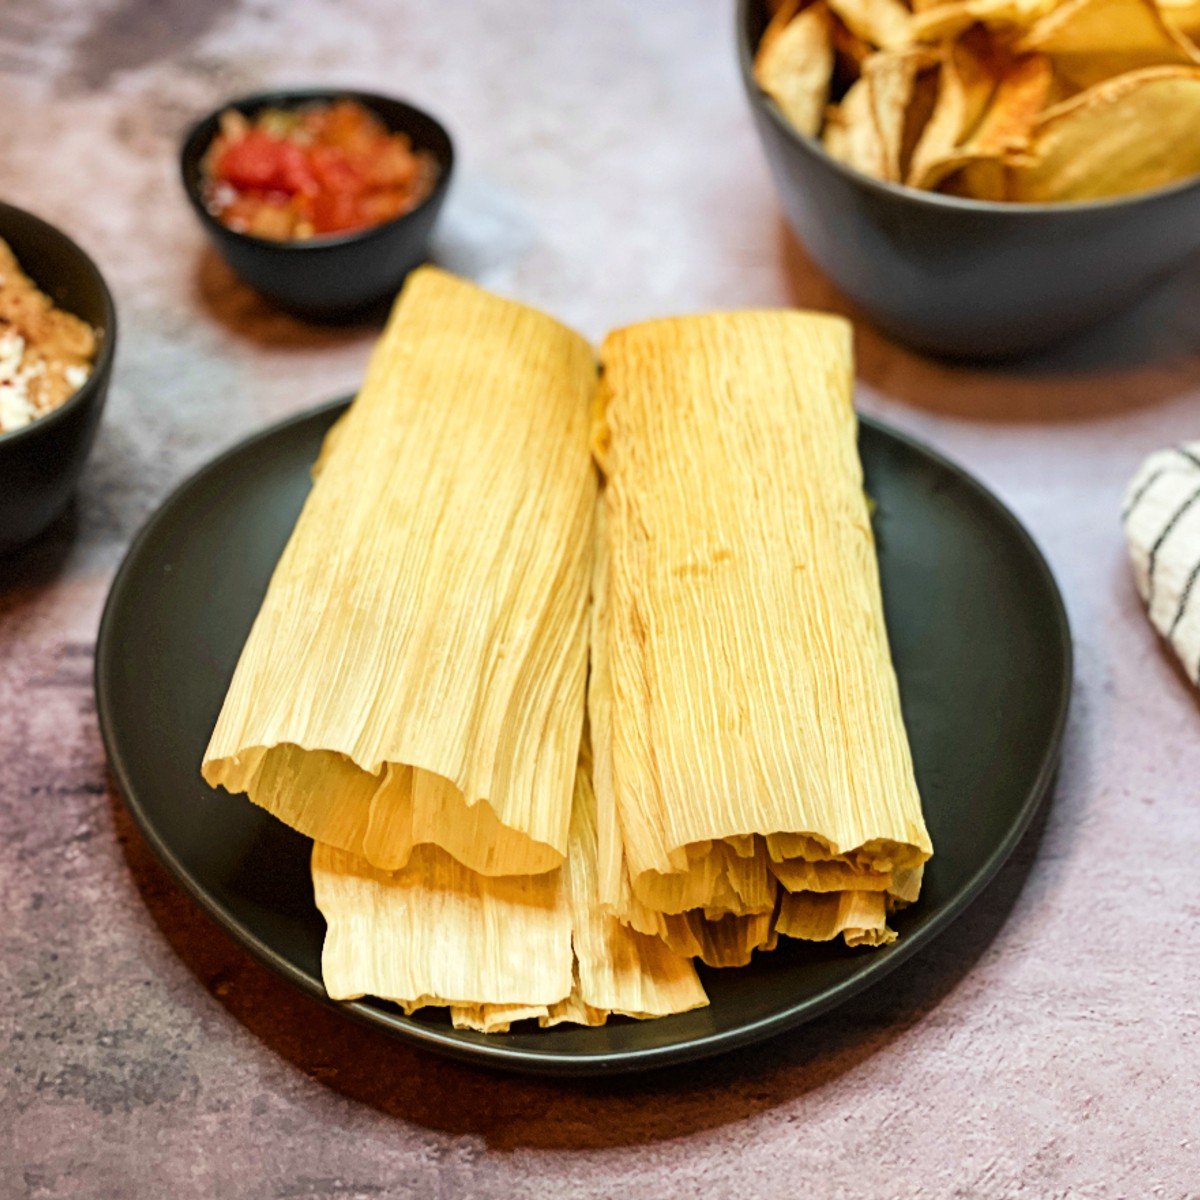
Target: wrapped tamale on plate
[
  {"x": 749, "y": 738},
  {"x": 412, "y": 692},
  {"x": 415, "y": 675}
]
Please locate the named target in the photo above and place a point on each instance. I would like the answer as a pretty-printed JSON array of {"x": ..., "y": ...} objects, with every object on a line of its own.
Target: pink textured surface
[{"x": 1046, "y": 1047}]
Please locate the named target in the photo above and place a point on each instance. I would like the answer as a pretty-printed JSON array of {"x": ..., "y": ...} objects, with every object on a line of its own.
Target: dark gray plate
[{"x": 981, "y": 646}]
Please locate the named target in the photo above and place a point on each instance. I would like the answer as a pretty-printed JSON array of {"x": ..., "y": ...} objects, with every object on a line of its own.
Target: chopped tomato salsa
[{"x": 313, "y": 171}]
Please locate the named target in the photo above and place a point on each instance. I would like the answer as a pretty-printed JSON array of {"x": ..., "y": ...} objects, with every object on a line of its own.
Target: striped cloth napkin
[{"x": 1161, "y": 516}]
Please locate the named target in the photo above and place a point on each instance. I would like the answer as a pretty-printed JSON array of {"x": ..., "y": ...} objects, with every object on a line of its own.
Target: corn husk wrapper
[
  {"x": 494, "y": 950},
  {"x": 436, "y": 932},
  {"x": 735, "y": 526},
  {"x": 718, "y": 941},
  {"x": 800, "y": 875},
  {"x": 795, "y": 66},
  {"x": 416, "y": 672},
  {"x": 725, "y": 933},
  {"x": 905, "y": 886},
  {"x": 733, "y": 925},
  {"x": 859, "y": 917},
  {"x": 1128, "y": 134},
  {"x": 1092, "y": 40},
  {"x": 618, "y": 969}
]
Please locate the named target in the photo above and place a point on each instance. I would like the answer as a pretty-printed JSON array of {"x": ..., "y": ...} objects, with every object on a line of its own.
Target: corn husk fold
[
  {"x": 415, "y": 675},
  {"x": 494, "y": 950}
]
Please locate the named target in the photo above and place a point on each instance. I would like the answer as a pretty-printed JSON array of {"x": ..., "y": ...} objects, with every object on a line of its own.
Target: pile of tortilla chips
[{"x": 1024, "y": 100}]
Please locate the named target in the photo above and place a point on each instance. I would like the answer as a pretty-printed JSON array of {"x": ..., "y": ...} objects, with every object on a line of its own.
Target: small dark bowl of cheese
[{"x": 58, "y": 330}]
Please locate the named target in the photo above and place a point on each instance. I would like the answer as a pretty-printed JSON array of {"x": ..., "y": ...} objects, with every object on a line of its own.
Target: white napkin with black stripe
[{"x": 1161, "y": 516}]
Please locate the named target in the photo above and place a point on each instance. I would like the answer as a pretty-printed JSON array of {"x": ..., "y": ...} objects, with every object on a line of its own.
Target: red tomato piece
[
  {"x": 250, "y": 162},
  {"x": 262, "y": 161},
  {"x": 336, "y": 212},
  {"x": 294, "y": 172},
  {"x": 334, "y": 171}
]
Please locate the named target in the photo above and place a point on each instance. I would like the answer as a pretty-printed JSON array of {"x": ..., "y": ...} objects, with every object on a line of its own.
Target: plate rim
[{"x": 556, "y": 1063}]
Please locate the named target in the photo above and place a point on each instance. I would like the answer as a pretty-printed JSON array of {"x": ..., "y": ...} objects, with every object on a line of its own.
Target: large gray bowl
[{"x": 967, "y": 278}]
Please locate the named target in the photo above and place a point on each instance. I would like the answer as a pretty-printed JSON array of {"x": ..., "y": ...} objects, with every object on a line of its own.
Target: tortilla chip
[
  {"x": 1004, "y": 130},
  {"x": 886, "y": 24},
  {"x": 917, "y": 115},
  {"x": 995, "y": 76},
  {"x": 966, "y": 83},
  {"x": 949, "y": 20},
  {"x": 1093, "y": 40},
  {"x": 780, "y": 19},
  {"x": 849, "y": 53},
  {"x": 866, "y": 131},
  {"x": 852, "y": 135},
  {"x": 1183, "y": 15},
  {"x": 1020, "y": 97},
  {"x": 794, "y": 68},
  {"x": 1128, "y": 134},
  {"x": 979, "y": 179}
]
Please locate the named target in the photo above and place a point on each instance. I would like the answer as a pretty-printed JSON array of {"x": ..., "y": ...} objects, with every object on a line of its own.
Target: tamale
[
  {"x": 494, "y": 950},
  {"x": 436, "y": 932},
  {"x": 416, "y": 672},
  {"x": 859, "y": 916},
  {"x": 743, "y": 701}
]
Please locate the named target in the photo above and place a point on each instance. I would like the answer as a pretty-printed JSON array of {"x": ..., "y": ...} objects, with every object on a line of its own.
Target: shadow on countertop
[
  {"x": 29, "y": 569},
  {"x": 367, "y": 1066},
  {"x": 1143, "y": 356},
  {"x": 243, "y": 312}
]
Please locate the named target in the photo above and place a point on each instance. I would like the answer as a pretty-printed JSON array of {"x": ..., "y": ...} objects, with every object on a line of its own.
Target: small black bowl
[
  {"x": 966, "y": 278},
  {"x": 327, "y": 278},
  {"x": 41, "y": 462}
]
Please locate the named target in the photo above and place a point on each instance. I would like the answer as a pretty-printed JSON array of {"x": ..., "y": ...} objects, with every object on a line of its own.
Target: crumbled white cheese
[
  {"x": 12, "y": 351},
  {"x": 223, "y": 195},
  {"x": 16, "y": 403},
  {"x": 16, "y": 408}
]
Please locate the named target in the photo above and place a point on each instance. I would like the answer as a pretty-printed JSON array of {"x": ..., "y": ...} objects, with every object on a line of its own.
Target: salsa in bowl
[
  {"x": 321, "y": 199},
  {"x": 321, "y": 169}
]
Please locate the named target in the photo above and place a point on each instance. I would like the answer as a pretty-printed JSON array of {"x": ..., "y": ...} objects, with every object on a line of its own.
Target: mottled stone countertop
[{"x": 1046, "y": 1047}]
